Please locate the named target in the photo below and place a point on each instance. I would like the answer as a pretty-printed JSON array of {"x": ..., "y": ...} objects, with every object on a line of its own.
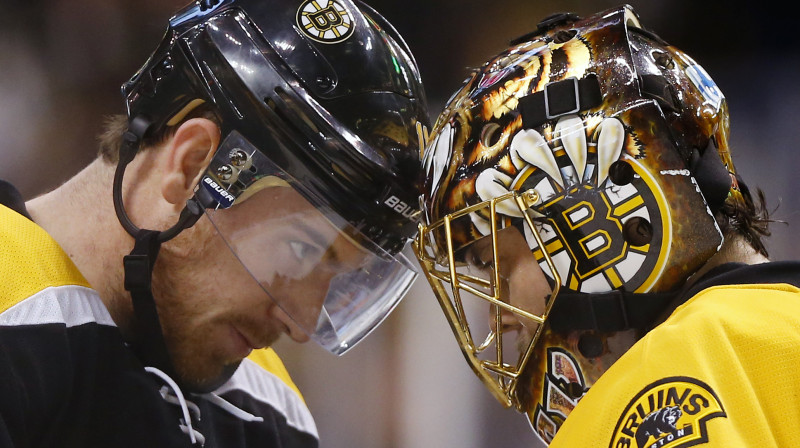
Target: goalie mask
[{"x": 570, "y": 190}]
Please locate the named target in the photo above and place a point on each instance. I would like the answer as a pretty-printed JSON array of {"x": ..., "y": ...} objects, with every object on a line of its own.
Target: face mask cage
[{"x": 467, "y": 279}]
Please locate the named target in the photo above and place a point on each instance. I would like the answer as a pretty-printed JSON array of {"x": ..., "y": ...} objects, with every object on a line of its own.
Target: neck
[
  {"x": 734, "y": 250},
  {"x": 80, "y": 216}
]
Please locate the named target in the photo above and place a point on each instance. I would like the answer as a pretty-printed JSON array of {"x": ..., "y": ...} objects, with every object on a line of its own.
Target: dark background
[{"x": 62, "y": 63}]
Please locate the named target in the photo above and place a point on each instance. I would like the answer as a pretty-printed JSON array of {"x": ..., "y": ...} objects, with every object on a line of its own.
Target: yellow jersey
[{"x": 722, "y": 371}]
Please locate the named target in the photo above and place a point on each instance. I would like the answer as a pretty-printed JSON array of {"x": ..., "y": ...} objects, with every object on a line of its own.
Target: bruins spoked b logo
[
  {"x": 670, "y": 413},
  {"x": 326, "y": 21}
]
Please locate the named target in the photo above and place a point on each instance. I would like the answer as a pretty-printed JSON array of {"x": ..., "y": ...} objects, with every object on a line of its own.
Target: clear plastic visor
[{"x": 305, "y": 258}]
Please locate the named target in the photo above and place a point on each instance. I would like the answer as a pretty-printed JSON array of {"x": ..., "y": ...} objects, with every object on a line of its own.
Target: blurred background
[{"x": 62, "y": 63}]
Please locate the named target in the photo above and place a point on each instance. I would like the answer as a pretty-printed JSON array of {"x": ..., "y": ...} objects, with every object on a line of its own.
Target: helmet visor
[{"x": 310, "y": 262}]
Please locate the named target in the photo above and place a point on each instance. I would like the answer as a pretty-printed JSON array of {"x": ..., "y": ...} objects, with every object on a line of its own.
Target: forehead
[
  {"x": 269, "y": 205},
  {"x": 510, "y": 243},
  {"x": 272, "y": 198},
  {"x": 267, "y": 211}
]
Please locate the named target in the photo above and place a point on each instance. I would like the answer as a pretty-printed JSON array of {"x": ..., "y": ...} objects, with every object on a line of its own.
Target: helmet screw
[
  {"x": 637, "y": 231},
  {"x": 238, "y": 158},
  {"x": 531, "y": 197},
  {"x": 226, "y": 173}
]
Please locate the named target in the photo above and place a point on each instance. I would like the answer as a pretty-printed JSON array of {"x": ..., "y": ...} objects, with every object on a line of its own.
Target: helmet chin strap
[{"x": 149, "y": 344}]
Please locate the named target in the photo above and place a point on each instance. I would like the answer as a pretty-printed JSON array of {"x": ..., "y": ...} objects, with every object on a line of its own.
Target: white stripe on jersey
[
  {"x": 77, "y": 305},
  {"x": 70, "y": 305},
  {"x": 268, "y": 388}
]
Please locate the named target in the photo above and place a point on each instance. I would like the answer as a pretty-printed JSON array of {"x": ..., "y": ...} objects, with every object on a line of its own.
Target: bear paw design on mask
[{"x": 582, "y": 215}]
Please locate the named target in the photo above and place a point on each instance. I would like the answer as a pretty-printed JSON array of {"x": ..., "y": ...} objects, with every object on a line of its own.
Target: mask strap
[
  {"x": 607, "y": 312},
  {"x": 559, "y": 98},
  {"x": 713, "y": 178}
]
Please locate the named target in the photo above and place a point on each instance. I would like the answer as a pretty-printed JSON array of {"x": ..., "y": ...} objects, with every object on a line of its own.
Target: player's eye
[{"x": 302, "y": 250}]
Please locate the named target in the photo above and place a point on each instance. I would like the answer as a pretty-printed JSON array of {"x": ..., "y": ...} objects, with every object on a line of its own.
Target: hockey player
[
  {"x": 262, "y": 183},
  {"x": 580, "y": 188}
]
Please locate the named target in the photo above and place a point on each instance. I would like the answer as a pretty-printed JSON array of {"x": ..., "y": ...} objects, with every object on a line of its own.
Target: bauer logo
[
  {"x": 400, "y": 207},
  {"x": 222, "y": 196},
  {"x": 670, "y": 413},
  {"x": 325, "y": 21}
]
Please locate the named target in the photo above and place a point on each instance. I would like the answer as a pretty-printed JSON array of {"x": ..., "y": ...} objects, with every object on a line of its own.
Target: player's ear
[{"x": 187, "y": 156}]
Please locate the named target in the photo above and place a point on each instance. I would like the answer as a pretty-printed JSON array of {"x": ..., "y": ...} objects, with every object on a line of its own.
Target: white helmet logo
[{"x": 325, "y": 21}]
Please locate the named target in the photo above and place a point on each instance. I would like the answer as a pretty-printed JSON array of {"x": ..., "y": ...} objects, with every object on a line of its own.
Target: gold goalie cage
[{"x": 497, "y": 341}]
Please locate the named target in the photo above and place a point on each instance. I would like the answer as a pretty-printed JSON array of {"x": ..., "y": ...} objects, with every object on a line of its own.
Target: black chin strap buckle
[{"x": 139, "y": 263}]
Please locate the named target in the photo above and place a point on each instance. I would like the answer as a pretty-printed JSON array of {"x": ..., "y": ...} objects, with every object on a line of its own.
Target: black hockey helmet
[
  {"x": 336, "y": 87},
  {"x": 322, "y": 96}
]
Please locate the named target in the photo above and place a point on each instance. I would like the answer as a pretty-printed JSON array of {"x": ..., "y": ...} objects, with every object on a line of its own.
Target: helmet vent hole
[
  {"x": 575, "y": 390},
  {"x": 292, "y": 112},
  {"x": 663, "y": 60},
  {"x": 564, "y": 36},
  {"x": 590, "y": 346},
  {"x": 621, "y": 173},
  {"x": 490, "y": 134},
  {"x": 637, "y": 231}
]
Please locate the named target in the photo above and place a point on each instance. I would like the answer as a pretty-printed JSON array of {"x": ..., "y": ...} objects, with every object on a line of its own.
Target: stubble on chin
[
  {"x": 200, "y": 363},
  {"x": 204, "y": 375}
]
